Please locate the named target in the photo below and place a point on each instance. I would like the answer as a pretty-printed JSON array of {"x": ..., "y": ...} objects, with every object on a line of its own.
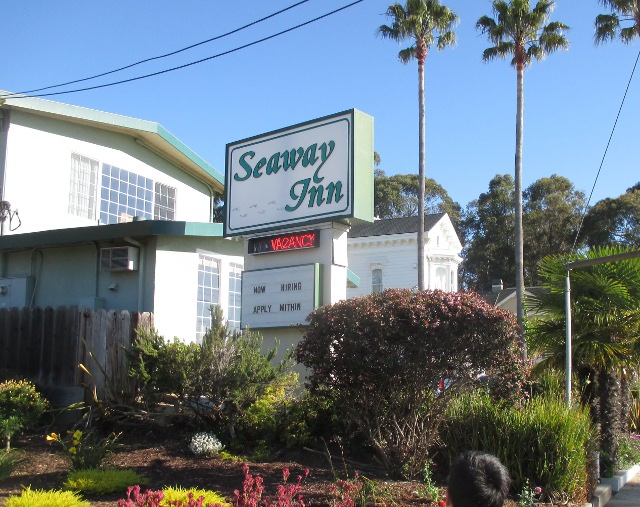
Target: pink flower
[{"x": 537, "y": 490}]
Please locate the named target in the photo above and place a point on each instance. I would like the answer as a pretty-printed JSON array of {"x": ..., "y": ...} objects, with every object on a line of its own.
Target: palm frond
[{"x": 606, "y": 26}]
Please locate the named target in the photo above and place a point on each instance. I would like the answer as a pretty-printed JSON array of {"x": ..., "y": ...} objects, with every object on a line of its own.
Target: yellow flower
[
  {"x": 77, "y": 435},
  {"x": 72, "y": 450},
  {"x": 51, "y": 437}
]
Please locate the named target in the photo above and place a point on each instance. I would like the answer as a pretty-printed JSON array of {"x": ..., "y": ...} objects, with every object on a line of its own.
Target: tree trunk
[
  {"x": 609, "y": 421},
  {"x": 625, "y": 401},
  {"x": 421, "y": 174},
  {"x": 519, "y": 241},
  {"x": 588, "y": 381}
]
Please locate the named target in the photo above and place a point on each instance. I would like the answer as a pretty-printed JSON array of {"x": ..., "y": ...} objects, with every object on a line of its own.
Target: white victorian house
[{"x": 383, "y": 255}]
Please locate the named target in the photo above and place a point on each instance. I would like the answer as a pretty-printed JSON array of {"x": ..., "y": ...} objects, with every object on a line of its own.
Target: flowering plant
[
  {"x": 85, "y": 449},
  {"x": 288, "y": 495},
  {"x": 529, "y": 495},
  {"x": 205, "y": 444}
]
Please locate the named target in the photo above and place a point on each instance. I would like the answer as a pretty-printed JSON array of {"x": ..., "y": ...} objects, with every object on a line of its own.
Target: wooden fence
[{"x": 47, "y": 345}]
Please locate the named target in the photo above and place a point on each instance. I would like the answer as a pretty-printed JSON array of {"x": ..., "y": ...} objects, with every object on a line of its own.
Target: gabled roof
[
  {"x": 390, "y": 226},
  {"x": 150, "y": 134}
]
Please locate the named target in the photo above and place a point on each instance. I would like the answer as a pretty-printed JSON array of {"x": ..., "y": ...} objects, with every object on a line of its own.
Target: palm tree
[
  {"x": 608, "y": 26},
  {"x": 605, "y": 333},
  {"x": 425, "y": 22},
  {"x": 522, "y": 32}
]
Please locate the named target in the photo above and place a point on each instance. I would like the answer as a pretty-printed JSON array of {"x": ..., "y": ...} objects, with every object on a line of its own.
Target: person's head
[{"x": 477, "y": 479}]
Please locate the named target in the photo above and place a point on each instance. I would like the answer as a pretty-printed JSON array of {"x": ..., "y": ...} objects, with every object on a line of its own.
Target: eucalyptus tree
[
  {"x": 397, "y": 196},
  {"x": 521, "y": 31},
  {"x": 614, "y": 221},
  {"x": 612, "y": 25},
  {"x": 605, "y": 323},
  {"x": 425, "y": 23}
]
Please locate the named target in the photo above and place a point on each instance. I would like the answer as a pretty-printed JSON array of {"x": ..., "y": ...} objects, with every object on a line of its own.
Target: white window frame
[
  {"x": 83, "y": 184},
  {"x": 208, "y": 292}
]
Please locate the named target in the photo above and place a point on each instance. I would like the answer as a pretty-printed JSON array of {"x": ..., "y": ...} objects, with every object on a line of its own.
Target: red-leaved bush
[
  {"x": 393, "y": 359},
  {"x": 155, "y": 499},
  {"x": 287, "y": 495}
]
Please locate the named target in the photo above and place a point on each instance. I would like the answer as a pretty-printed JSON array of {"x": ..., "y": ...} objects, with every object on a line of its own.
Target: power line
[
  {"x": 195, "y": 62},
  {"x": 157, "y": 57},
  {"x": 584, "y": 213}
]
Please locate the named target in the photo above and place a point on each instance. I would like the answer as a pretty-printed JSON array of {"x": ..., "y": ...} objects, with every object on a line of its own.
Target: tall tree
[
  {"x": 605, "y": 332},
  {"x": 425, "y": 22},
  {"x": 518, "y": 30},
  {"x": 397, "y": 196},
  {"x": 551, "y": 217},
  {"x": 609, "y": 26},
  {"x": 614, "y": 221}
]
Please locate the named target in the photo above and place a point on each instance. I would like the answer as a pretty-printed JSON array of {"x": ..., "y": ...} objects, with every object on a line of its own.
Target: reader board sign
[
  {"x": 279, "y": 297},
  {"x": 301, "y": 174}
]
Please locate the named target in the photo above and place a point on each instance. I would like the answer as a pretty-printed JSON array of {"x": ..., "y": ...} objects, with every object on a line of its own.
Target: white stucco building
[
  {"x": 106, "y": 211},
  {"x": 383, "y": 254}
]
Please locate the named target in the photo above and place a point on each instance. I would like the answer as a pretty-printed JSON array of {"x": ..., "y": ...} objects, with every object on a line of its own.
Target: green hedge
[{"x": 543, "y": 443}]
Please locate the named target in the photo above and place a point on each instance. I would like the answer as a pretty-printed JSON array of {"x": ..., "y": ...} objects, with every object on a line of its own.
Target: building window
[
  {"x": 235, "y": 296},
  {"x": 441, "y": 278},
  {"x": 165, "y": 207},
  {"x": 208, "y": 292},
  {"x": 376, "y": 280},
  {"x": 124, "y": 195},
  {"x": 82, "y": 192}
]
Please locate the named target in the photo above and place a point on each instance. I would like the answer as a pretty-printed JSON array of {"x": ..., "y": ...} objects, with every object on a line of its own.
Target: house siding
[{"x": 38, "y": 171}]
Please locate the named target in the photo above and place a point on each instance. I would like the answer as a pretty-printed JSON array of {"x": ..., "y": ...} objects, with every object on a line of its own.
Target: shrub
[
  {"x": 44, "y": 498},
  {"x": 543, "y": 443},
  {"x": 85, "y": 449},
  {"x": 205, "y": 444},
  {"x": 7, "y": 465},
  {"x": 629, "y": 451},
  {"x": 288, "y": 495},
  {"x": 217, "y": 380},
  {"x": 178, "y": 494},
  {"x": 262, "y": 419},
  {"x": 20, "y": 407},
  {"x": 102, "y": 481},
  {"x": 384, "y": 357}
]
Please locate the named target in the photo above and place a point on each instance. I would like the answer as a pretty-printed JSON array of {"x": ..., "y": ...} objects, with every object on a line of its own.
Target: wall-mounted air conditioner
[{"x": 119, "y": 258}]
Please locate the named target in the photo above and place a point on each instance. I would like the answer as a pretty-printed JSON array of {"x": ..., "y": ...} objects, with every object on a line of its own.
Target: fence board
[{"x": 47, "y": 345}]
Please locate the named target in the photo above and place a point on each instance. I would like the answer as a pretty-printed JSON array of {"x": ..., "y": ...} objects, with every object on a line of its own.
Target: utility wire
[
  {"x": 157, "y": 57},
  {"x": 586, "y": 207},
  {"x": 195, "y": 62}
]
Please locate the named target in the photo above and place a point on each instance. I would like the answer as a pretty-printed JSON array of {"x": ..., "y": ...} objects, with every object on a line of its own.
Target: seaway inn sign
[{"x": 302, "y": 174}]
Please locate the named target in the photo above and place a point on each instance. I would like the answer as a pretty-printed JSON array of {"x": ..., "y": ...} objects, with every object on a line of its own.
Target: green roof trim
[
  {"x": 109, "y": 121},
  {"x": 353, "y": 280},
  {"x": 142, "y": 228}
]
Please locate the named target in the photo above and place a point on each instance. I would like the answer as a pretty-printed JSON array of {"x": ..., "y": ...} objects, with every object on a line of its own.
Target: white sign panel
[
  {"x": 296, "y": 175},
  {"x": 279, "y": 297}
]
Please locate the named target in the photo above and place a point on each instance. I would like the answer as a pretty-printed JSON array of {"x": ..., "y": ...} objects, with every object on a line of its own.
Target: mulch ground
[{"x": 167, "y": 462}]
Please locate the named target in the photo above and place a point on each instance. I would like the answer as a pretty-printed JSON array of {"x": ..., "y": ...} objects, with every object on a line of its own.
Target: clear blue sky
[{"x": 338, "y": 63}]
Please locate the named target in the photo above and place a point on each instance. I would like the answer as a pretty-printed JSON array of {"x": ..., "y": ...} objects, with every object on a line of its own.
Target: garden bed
[{"x": 168, "y": 463}]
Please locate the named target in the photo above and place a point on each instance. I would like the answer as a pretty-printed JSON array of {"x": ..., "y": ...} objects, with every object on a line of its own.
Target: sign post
[{"x": 292, "y": 194}]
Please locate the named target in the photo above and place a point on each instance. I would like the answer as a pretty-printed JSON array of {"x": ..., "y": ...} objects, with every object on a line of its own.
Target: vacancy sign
[
  {"x": 279, "y": 297},
  {"x": 301, "y": 174}
]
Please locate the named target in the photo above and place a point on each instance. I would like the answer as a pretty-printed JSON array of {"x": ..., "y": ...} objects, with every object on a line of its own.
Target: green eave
[
  {"x": 141, "y": 229},
  {"x": 151, "y": 134},
  {"x": 353, "y": 280}
]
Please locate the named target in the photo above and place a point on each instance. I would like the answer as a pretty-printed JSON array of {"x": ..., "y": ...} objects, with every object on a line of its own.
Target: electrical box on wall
[
  {"x": 119, "y": 258},
  {"x": 16, "y": 291}
]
